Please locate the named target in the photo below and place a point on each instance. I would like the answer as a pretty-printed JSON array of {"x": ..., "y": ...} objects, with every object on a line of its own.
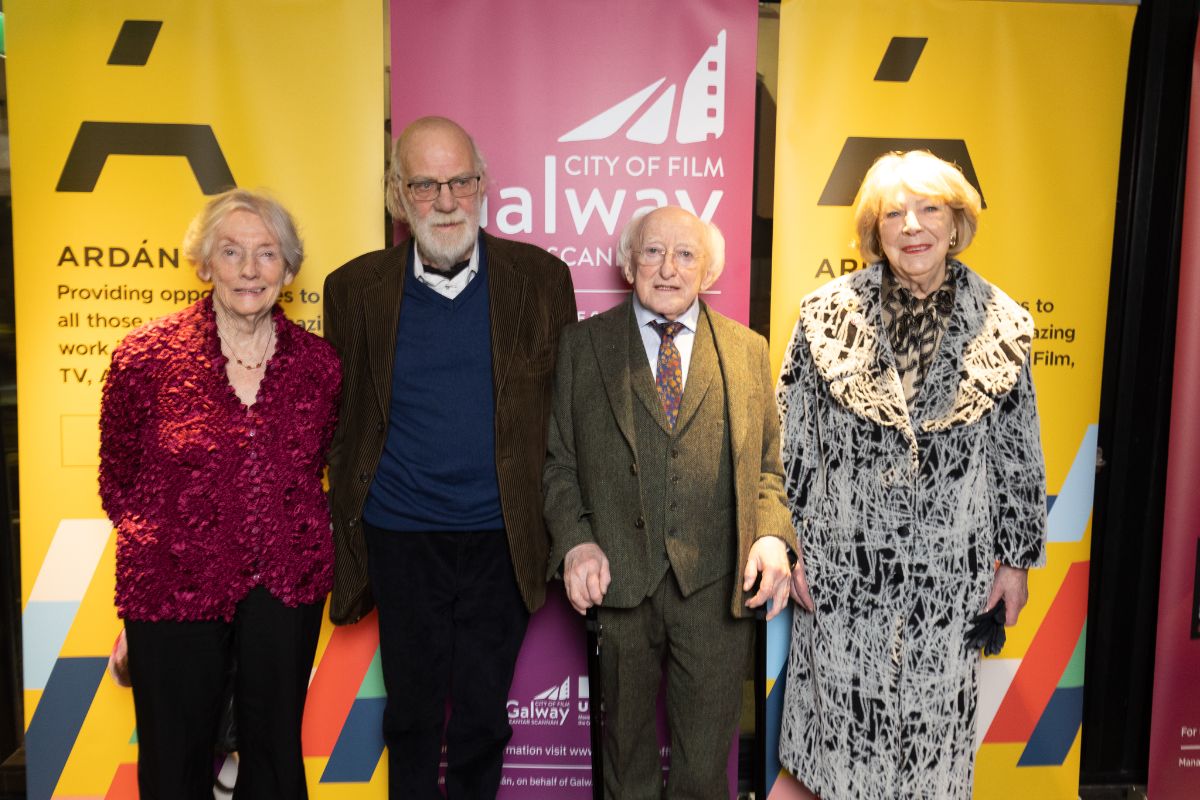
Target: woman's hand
[{"x": 1011, "y": 584}]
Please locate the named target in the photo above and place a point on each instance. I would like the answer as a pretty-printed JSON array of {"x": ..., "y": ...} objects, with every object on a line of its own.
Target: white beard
[{"x": 438, "y": 247}]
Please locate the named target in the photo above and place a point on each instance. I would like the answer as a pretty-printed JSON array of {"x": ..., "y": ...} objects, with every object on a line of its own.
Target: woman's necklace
[{"x": 262, "y": 358}]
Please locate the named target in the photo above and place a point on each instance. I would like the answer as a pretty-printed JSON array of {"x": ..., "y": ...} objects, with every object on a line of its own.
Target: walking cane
[
  {"x": 595, "y": 701},
  {"x": 759, "y": 779}
]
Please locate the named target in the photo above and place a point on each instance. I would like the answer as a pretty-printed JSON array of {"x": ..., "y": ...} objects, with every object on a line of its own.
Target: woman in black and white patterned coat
[{"x": 915, "y": 476}]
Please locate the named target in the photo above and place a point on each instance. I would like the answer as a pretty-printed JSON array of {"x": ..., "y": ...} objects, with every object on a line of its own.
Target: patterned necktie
[{"x": 669, "y": 380}]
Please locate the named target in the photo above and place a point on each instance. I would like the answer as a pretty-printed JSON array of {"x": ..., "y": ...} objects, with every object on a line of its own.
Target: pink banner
[
  {"x": 591, "y": 112},
  {"x": 1174, "y": 770},
  {"x": 587, "y": 113}
]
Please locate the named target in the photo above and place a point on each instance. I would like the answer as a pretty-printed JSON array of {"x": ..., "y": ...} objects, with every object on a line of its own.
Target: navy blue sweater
[{"x": 438, "y": 469}]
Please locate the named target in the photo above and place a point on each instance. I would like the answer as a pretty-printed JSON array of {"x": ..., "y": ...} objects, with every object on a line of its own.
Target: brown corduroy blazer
[{"x": 530, "y": 300}]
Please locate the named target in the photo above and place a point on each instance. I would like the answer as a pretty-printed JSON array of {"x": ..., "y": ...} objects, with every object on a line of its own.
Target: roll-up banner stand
[
  {"x": 1174, "y": 767},
  {"x": 587, "y": 114},
  {"x": 1027, "y": 98},
  {"x": 124, "y": 118}
]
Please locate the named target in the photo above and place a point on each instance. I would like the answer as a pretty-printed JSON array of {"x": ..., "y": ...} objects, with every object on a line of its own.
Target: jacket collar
[
  {"x": 507, "y": 296},
  {"x": 979, "y": 360},
  {"x": 611, "y": 337}
]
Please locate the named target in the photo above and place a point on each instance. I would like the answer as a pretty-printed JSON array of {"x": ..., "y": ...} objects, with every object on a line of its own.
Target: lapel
[
  {"x": 610, "y": 339},
  {"x": 641, "y": 377},
  {"x": 506, "y": 303},
  {"x": 737, "y": 364},
  {"x": 381, "y": 298},
  {"x": 980, "y": 358},
  {"x": 701, "y": 369},
  {"x": 843, "y": 325}
]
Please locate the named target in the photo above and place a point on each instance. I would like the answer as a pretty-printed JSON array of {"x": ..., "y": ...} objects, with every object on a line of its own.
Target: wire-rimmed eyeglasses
[{"x": 653, "y": 255}]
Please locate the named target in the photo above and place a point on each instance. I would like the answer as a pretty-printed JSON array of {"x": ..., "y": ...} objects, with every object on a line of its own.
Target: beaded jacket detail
[{"x": 210, "y": 497}]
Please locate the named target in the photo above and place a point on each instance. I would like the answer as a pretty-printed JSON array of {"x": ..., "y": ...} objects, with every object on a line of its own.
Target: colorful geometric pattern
[
  {"x": 344, "y": 714},
  {"x": 56, "y": 722}
]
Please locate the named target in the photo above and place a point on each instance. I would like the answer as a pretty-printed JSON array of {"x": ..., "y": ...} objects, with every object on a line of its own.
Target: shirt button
[{"x": 639, "y": 523}]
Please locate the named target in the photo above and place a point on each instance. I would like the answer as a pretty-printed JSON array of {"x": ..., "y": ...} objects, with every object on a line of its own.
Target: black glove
[{"x": 987, "y": 630}]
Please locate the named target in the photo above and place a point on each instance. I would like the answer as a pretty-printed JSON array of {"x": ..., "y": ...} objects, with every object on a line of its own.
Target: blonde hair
[
  {"x": 200, "y": 240},
  {"x": 921, "y": 173}
]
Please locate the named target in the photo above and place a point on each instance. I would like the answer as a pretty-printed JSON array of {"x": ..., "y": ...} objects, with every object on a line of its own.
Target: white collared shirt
[
  {"x": 446, "y": 287},
  {"x": 683, "y": 340}
]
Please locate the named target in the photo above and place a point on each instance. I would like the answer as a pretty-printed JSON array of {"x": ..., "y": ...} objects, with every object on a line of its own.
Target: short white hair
[{"x": 631, "y": 237}]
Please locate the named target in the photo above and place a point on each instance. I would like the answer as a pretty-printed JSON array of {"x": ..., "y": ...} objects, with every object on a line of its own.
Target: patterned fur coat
[{"x": 902, "y": 513}]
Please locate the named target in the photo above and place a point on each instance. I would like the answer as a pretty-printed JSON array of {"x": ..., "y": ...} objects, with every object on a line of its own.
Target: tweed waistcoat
[{"x": 687, "y": 473}]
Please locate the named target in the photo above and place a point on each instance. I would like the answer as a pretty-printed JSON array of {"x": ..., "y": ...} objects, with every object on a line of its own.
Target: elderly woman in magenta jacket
[
  {"x": 213, "y": 430},
  {"x": 914, "y": 472}
]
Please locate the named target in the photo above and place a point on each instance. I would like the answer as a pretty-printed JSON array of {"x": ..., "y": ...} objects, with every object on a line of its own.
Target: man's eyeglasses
[
  {"x": 653, "y": 255},
  {"x": 462, "y": 186}
]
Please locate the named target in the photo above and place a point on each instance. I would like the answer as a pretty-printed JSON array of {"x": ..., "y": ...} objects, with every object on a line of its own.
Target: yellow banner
[
  {"x": 1028, "y": 98},
  {"x": 124, "y": 116}
]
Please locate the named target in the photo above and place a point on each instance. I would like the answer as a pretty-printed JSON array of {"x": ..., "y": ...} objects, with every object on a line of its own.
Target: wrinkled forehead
[
  {"x": 244, "y": 226},
  {"x": 436, "y": 148},
  {"x": 674, "y": 226}
]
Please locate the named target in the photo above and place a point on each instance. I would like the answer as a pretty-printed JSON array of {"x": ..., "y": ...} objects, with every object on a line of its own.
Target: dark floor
[{"x": 12, "y": 784}]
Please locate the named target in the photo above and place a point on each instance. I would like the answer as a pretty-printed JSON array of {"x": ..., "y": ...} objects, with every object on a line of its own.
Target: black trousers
[
  {"x": 451, "y": 622},
  {"x": 179, "y": 672}
]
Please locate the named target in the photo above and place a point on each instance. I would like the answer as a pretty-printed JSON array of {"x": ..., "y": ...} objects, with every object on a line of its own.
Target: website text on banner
[
  {"x": 599, "y": 112},
  {"x": 123, "y": 122}
]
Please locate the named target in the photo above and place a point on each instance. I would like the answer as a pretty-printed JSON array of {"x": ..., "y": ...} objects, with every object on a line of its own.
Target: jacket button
[
  {"x": 352, "y": 522},
  {"x": 379, "y": 427},
  {"x": 674, "y": 454},
  {"x": 363, "y": 477},
  {"x": 639, "y": 523},
  {"x": 633, "y": 468},
  {"x": 903, "y": 530}
]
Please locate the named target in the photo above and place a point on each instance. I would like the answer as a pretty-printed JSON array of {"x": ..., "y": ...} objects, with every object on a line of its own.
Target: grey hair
[
  {"x": 631, "y": 237},
  {"x": 201, "y": 238},
  {"x": 394, "y": 177}
]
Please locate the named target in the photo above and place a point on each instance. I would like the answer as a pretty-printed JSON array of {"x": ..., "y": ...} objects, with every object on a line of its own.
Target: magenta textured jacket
[{"x": 212, "y": 498}]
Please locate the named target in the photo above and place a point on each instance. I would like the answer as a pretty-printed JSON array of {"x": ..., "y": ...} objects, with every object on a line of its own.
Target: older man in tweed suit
[{"x": 664, "y": 500}]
